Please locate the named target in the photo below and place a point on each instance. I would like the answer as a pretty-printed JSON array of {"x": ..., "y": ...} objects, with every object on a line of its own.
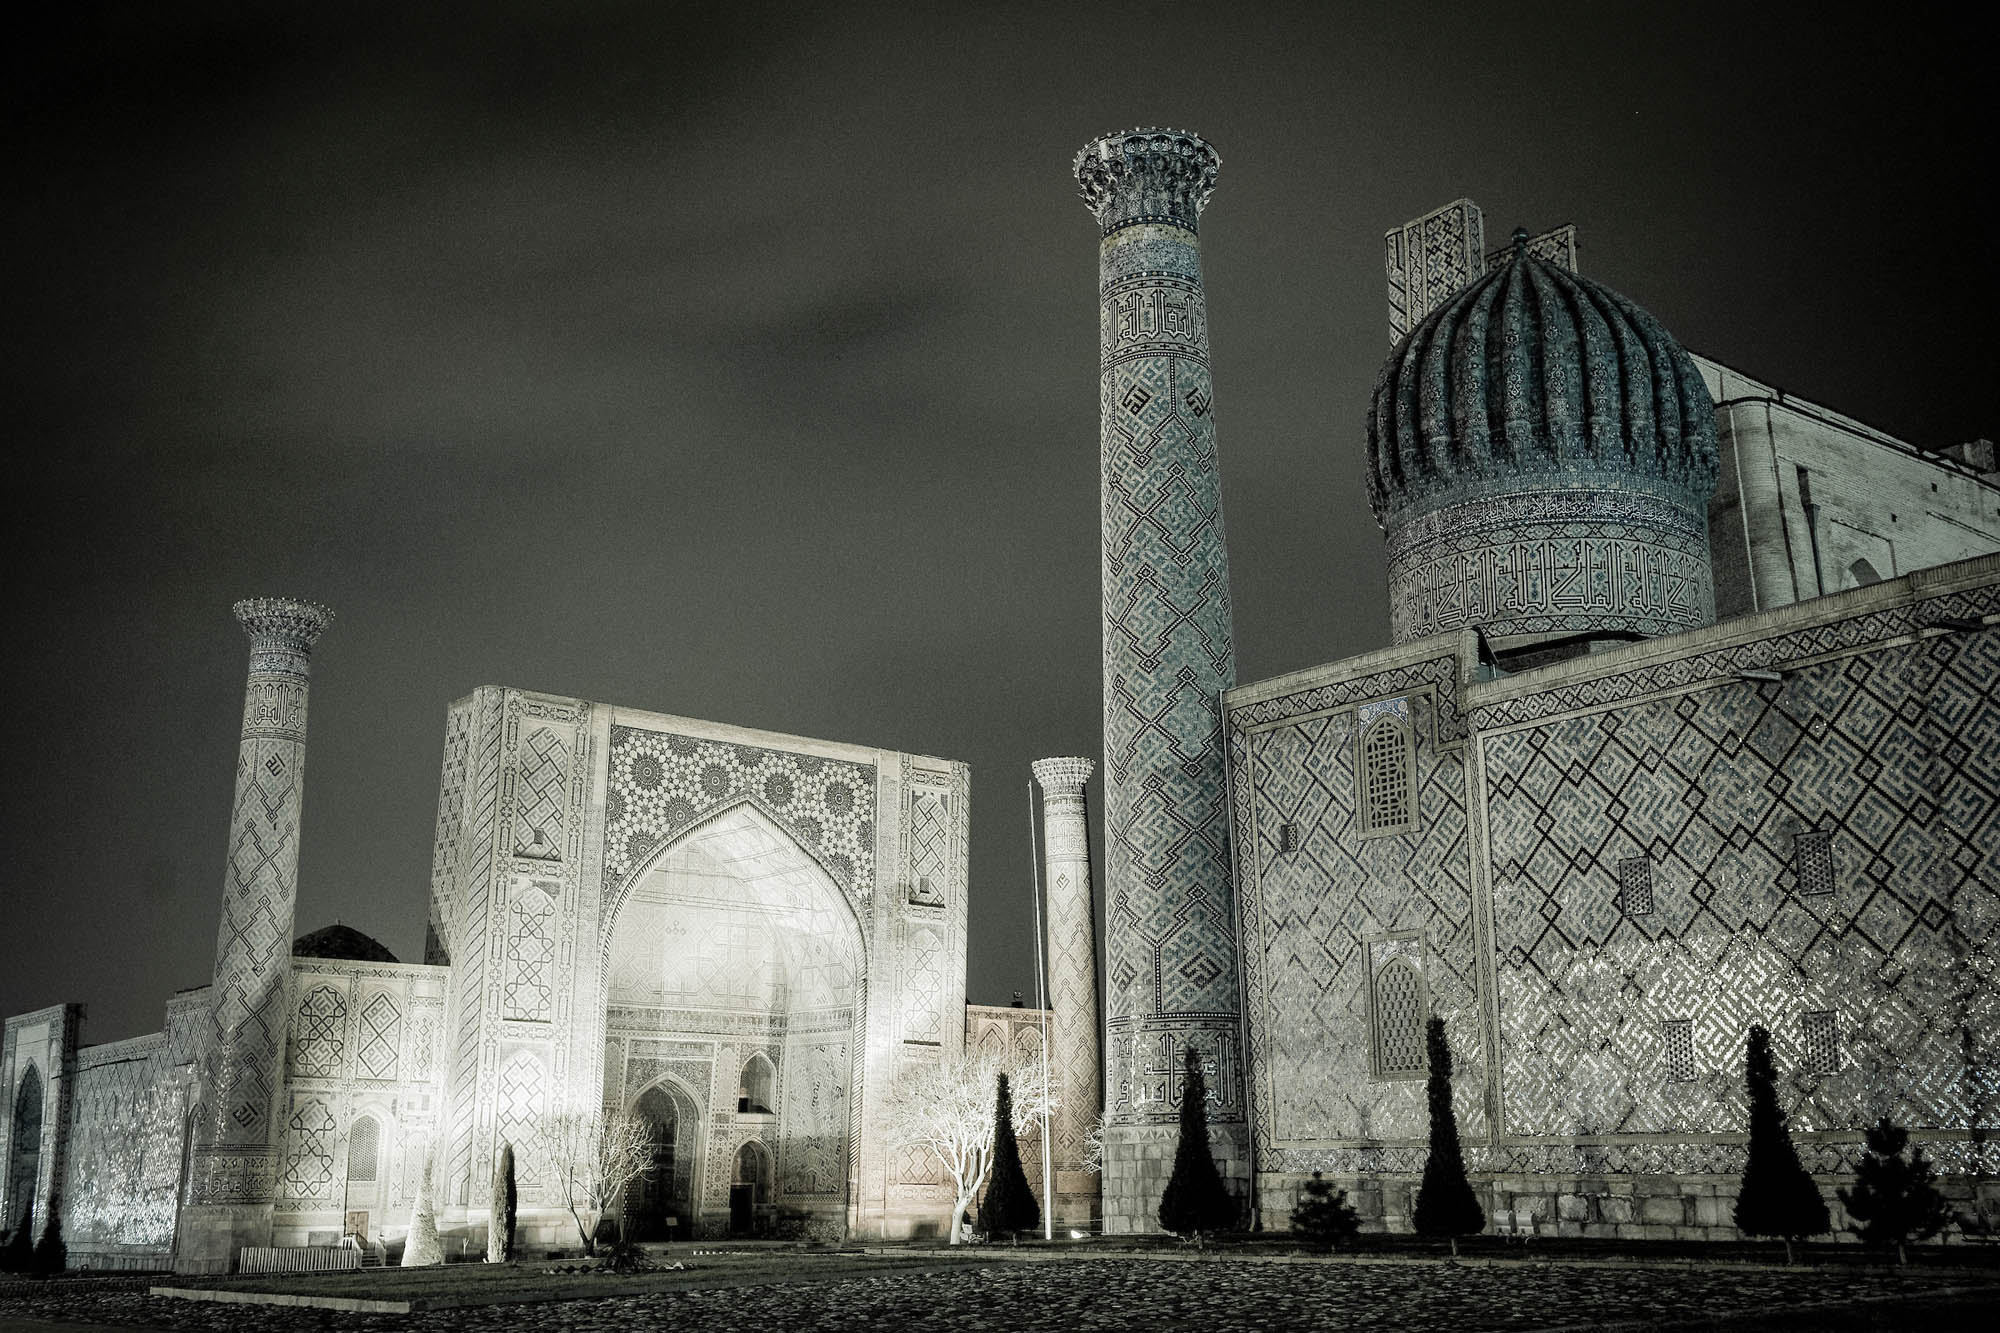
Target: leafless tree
[
  {"x": 946, "y": 1108},
  {"x": 590, "y": 1160}
]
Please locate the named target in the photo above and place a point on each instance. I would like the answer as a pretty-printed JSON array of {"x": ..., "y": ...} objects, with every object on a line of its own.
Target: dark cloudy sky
[{"x": 740, "y": 362}]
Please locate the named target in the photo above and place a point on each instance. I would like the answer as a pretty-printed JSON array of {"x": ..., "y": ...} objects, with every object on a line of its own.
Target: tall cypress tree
[
  {"x": 1009, "y": 1205},
  {"x": 1777, "y": 1197},
  {"x": 1446, "y": 1205},
  {"x": 19, "y": 1251},
  {"x": 506, "y": 1205},
  {"x": 51, "y": 1254},
  {"x": 1195, "y": 1202}
]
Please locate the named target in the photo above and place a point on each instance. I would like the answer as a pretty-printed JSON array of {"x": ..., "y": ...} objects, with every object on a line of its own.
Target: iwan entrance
[{"x": 730, "y": 1024}]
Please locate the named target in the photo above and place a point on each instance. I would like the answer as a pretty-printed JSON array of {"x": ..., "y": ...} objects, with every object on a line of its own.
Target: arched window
[
  {"x": 1387, "y": 791},
  {"x": 1399, "y": 1020},
  {"x": 364, "y": 1151},
  {"x": 1864, "y": 573},
  {"x": 754, "y": 1093}
]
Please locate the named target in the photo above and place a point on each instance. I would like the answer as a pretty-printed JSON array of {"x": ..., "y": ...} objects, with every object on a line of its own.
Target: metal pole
[{"x": 1042, "y": 1003}]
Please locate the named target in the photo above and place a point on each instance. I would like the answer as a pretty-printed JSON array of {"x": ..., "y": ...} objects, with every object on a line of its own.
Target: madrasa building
[{"x": 1689, "y": 723}]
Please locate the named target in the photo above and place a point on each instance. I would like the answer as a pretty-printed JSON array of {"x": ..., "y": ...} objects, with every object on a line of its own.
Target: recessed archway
[
  {"x": 24, "y": 1148},
  {"x": 734, "y": 963}
]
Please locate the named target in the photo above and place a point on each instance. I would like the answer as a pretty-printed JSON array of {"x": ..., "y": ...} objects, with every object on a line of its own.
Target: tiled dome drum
[{"x": 1540, "y": 457}]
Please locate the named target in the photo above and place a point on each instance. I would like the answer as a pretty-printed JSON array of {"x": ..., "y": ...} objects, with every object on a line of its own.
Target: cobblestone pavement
[{"x": 1221, "y": 1296}]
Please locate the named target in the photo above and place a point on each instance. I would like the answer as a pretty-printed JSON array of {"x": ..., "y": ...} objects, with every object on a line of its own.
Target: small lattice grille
[
  {"x": 1385, "y": 776},
  {"x": 1812, "y": 861},
  {"x": 1822, "y": 1038},
  {"x": 1288, "y": 838},
  {"x": 363, "y": 1149},
  {"x": 1679, "y": 1040},
  {"x": 1399, "y": 1019},
  {"x": 1635, "y": 885}
]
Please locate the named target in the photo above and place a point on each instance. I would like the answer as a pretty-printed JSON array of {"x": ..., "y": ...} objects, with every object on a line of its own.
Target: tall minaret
[
  {"x": 1071, "y": 949},
  {"x": 1167, "y": 655},
  {"x": 233, "y": 1173}
]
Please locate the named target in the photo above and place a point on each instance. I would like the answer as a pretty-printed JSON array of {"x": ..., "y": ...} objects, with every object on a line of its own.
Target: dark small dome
[
  {"x": 343, "y": 942},
  {"x": 1530, "y": 412}
]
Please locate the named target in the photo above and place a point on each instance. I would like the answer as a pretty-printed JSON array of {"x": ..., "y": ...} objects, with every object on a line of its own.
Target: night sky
[{"x": 740, "y": 362}]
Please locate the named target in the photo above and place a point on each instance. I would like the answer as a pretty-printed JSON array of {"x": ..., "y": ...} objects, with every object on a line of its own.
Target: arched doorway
[
  {"x": 362, "y": 1216},
  {"x": 733, "y": 963},
  {"x": 659, "y": 1204},
  {"x": 24, "y": 1149},
  {"x": 750, "y": 1191}
]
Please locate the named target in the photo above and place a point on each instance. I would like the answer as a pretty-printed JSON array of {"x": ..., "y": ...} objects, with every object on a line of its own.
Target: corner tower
[
  {"x": 232, "y": 1174},
  {"x": 1167, "y": 655}
]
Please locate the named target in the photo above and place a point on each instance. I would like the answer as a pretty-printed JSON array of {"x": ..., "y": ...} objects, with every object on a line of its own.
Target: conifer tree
[
  {"x": 51, "y": 1254},
  {"x": 506, "y": 1201},
  {"x": 1446, "y": 1205},
  {"x": 1777, "y": 1197},
  {"x": 1894, "y": 1199},
  {"x": 421, "y": 1248},
  {"x": 19, "y": 1251},
  {"x": 1195, "y": 1202},
  {"x": 1322, "y": 1219},
  {"x": 1009, "y": 1206}
]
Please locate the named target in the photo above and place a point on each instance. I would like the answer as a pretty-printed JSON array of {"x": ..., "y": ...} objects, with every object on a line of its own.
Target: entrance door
[
  {"x": 655, "y": 1205},
  {"x": 742, "y": 1209}
]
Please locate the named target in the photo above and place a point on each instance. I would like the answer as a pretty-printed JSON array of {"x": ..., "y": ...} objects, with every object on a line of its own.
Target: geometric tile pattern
[
  {"x": 1333, "y": 1055},
  {"x": 319, "y": 1037},
  {"x": 538, "y": 824},
  {"x": 523, "y": 1095},
  {"x": 381, "y": 1033},
  {"x": 922, "y": 981},
  {"x": 1430, "y": 259},
  {"x": 1825, "y": 845},
  {"x": 530, "y": 954},
  {"x": 662, "y": 785},
  {"x": 307, "y": 1176},
  {"x": 930, "y": 847},
  {"x": 1166, "y": 611}
]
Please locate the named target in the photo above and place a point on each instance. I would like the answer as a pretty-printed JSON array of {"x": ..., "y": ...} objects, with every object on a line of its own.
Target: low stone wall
[
  {"x": 1625, "y": 1207},
  {"x": 1139, "y": 1161}
]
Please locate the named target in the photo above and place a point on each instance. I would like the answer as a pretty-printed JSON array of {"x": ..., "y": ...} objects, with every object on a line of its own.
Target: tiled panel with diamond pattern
[
  {"x": 1894, "y": 754},
  {"x": 1310, "y": 914}
]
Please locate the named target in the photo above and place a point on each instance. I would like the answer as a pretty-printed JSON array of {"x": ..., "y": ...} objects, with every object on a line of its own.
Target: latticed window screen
[
  {"x": 1812, "y": 860},
  {"x": 1822, "y": 1038},
  {"x": 1678, "y": 1035},
  {"x": 1399, "y": 1019},
  {"x": 1635, "y": 885},
  {"x": 363, "y": 1149},
  {"x": 1288, "y": 838},
  {"x": 1385, "y": 776}
]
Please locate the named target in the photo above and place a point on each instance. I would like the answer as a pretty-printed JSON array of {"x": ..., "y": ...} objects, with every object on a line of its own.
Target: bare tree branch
[
  {"x": 590, "y": 1160},
  {"x": 946, "y": 1108}
]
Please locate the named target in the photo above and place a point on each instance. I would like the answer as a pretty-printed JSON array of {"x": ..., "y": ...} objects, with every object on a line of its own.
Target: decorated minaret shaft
[
  {"x": 1075, "y": 1054},
  {"x": 233, "y": 1172},
  {"x": 1171, "y": 957}
]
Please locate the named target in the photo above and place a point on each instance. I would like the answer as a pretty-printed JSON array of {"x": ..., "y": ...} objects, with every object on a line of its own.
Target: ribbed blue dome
[{"x": 1540, "y": 454}]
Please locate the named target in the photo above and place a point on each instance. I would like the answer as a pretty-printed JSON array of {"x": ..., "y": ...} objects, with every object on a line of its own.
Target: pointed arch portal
[{"x": 732, "y": 954}]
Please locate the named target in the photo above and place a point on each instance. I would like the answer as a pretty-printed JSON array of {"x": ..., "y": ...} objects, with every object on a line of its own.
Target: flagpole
[{"x": 1041, "y": 1003}]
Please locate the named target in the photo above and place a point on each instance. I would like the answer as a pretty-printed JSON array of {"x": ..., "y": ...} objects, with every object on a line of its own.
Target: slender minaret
[
  {"x": 233, "y": 1171},
  {"x": 1167, "y": 655},
  {"x": 1071, "y": 950}
]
